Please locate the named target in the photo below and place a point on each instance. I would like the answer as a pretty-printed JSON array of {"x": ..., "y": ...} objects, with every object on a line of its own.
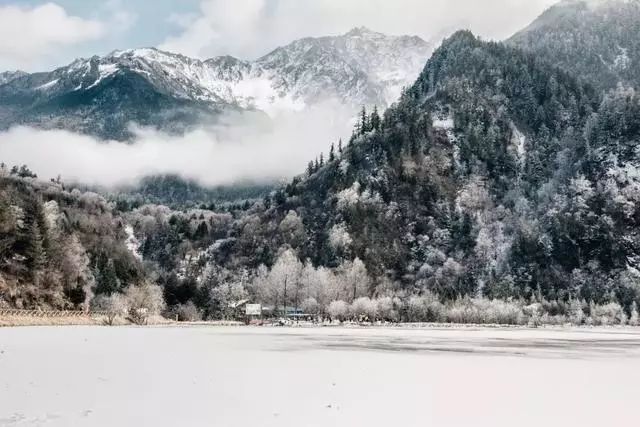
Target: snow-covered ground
[{"x": 208, "y": 376}]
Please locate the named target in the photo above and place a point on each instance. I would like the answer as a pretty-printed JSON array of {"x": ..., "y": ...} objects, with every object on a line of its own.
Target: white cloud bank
[
  {"x": 32, "y": 35},
  {"x": 245, "y": 147},
  {"x": 26, "y": 32},
  {"x": 250, "y": 28}
]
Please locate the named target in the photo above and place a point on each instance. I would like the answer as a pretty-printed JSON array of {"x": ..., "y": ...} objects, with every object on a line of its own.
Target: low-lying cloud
[{"x": 244, "y": 147}]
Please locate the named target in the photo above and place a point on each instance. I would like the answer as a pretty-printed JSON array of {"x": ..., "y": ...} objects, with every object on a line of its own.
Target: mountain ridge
[{"x": 359, "y": 67}]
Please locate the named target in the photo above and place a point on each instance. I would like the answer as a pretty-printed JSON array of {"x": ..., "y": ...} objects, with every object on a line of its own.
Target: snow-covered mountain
[
  {"x": 7, "y": 76},
  {"x": 102, "y": 95}
]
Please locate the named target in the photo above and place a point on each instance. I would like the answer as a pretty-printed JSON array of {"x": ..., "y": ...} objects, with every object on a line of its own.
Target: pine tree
[
  {"x": 355, "y": 133},
  {"x": 201, "y": 232},
  {"x": 316, "y": 165},
  {"x": 332, "y": 153},
  {"x": 321, "y": 160},
  {"x": 340, "y": 146},
  {"x": 106, "y": 278},
  {"x": 374, "y": 121},
  {"x": 310, "y": 169},
  {"x": 35, "y": 253},
  {"x": 364, "y": 121}
]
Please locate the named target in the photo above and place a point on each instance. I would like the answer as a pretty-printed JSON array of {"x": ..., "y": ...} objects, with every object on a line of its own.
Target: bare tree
[
  {"x": 353, "y": 280},
  {"x": 284, "y": 277},
  {"x": 143, "y": 301},
  {"x": 114, "y": 305}
]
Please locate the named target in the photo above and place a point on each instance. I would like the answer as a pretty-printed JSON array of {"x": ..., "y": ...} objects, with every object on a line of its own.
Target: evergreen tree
[
  {"x": 364, "y": 121},
  {"x": 374, "y": 120},
  {"x": 340, "y": 146},
  {"x": 107, "y": 281},
  {"x": 332, "y": 153},
  {"x": 35, "y": 253},
  {"x": 201, "y": 232}
]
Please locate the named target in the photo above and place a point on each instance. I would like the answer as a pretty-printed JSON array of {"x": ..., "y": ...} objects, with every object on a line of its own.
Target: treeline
[{"x": 180, "y": 193}]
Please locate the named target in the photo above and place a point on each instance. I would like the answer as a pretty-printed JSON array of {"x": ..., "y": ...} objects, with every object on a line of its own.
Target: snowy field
[{"x": 208, "y": 376}]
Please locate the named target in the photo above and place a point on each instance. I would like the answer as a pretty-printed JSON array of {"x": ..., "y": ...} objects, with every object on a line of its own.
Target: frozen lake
[{"x": 223, "y": 376}]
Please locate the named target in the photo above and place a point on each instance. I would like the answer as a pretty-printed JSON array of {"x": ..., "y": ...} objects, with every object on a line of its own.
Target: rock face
[
  {"x": 103, "y": 95},
  {"x": 594, "y": 39}
]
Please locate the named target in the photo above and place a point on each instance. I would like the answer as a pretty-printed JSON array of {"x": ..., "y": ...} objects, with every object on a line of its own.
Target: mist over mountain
[{"x": 103, "y": 96}]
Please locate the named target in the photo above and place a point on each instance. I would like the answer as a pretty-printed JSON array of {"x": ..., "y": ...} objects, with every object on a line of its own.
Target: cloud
[
  {"x": 27, "y": 33},
  {"x": 34, "y": 37},
  {"x": 120, "y": 19},
  {"x": 220, "y": 23},
  {"x": 250, "y": 28},
  {"x": 242, "y": 147}
]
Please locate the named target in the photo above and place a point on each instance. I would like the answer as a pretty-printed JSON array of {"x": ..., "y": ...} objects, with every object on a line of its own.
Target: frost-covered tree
[
  {"x": 115, "y": 306},
  {"x": 282, "y": 283},
  {"x": 143, "y": 301},
  {"x": 634, "y": 319},
  {"x": 364, "y": 308},
  {"x": 353, "y": 280},
  {"x": 338, "y": 310},
  {"x": 225, "y": 297}
]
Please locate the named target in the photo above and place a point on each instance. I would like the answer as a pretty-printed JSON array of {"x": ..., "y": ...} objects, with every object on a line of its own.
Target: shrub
[
  {"x": 364, "y": 308},
  {"x": 186, "y": 312},
  {"x": 115, "y": 306},
  {"x": 425, "y": 308},
  {"x": 143, "y": 301},
  {"x": 310, "y": 306},
  {"x": 608, "y": 314},
  {"x": 386, "y": 309},
  {"x": 633, "y": 320},
  {"x": 576, "y": 312},
  {"x": 338, "y": 310}
]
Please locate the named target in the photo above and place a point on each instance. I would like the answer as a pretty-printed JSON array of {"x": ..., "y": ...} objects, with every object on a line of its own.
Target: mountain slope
[
  {"x": 59, "y": 247},
  {"x": 496, "y": 174},
  {"x": 102, "y": 95},
  {"x": 486, "y": 177},
  {"x": 595, "y": 39}
]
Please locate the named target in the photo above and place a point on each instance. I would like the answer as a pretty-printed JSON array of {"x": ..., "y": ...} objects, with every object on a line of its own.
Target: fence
[{"x": 50, "y": 313}]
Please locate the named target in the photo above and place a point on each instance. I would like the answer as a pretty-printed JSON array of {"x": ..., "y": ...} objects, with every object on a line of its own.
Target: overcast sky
[{"x": 39, "y": 35}]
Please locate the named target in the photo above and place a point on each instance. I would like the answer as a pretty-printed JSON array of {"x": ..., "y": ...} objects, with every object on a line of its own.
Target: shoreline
[{"x": 26, "y": 321}]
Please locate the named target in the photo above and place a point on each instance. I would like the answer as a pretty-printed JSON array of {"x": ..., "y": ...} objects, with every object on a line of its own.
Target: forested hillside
[
  {"x": 58, "y": 248},
  {"x": 484, "y": 179},
  {"x": 597, "y": 40},
  {"x": 499, "y": 188}
]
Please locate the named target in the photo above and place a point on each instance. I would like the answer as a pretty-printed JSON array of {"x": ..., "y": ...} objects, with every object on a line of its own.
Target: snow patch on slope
[
  {"x": 132, "y": 243},
  {"x": 518, "y": 141},
  {"x": 622, "y": 61},
  {"x": 105, "y": 71},
  {"x": 47, "y": 85}
]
